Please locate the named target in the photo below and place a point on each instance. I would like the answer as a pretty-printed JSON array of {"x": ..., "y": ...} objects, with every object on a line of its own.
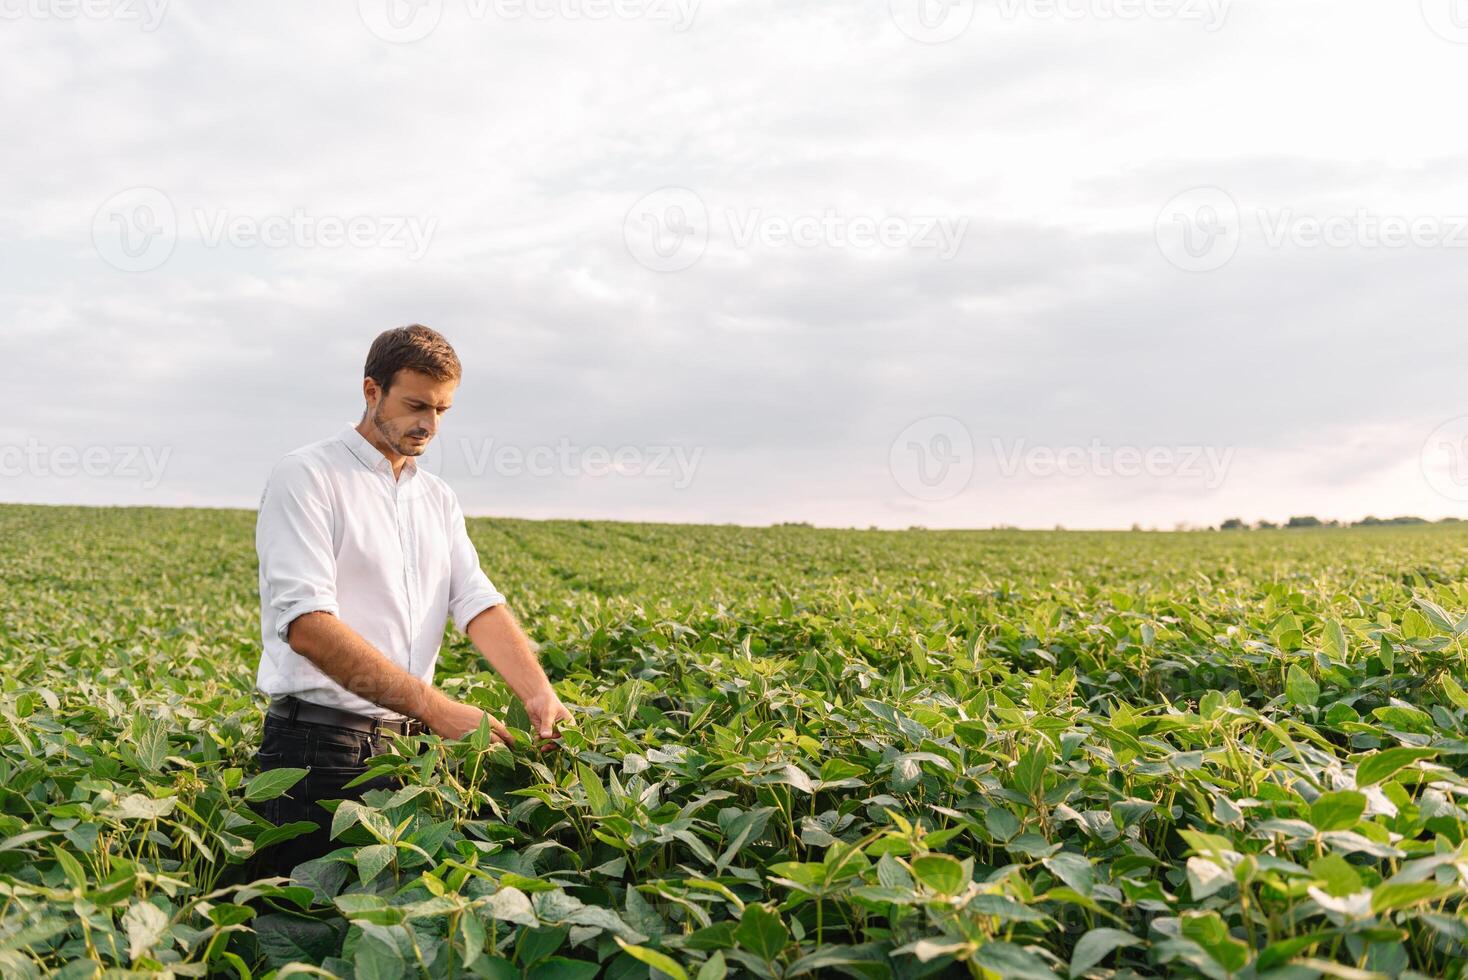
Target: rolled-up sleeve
[
  {"x": 293, "y": 539},
  {"x": 470, "y": 590}
]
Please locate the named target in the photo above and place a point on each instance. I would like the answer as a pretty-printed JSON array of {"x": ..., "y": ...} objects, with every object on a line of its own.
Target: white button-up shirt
[{"x": 389, "y": 557}]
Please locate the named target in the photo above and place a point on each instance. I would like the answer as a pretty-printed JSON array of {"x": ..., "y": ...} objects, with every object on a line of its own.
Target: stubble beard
[{"x": 394, "y": 439}]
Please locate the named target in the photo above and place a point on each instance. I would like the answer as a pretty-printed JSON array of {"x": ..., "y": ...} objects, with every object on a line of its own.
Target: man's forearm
[
  {"x": 509, "y": 651},
  {"x": 341, "y": 653}
]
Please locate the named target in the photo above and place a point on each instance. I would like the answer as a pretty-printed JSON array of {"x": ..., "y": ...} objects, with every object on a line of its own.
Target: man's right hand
[{"x": 454, "y": 719}]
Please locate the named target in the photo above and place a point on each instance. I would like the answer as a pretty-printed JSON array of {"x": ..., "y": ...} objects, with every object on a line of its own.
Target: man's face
[{"x": 408, "y": 413}]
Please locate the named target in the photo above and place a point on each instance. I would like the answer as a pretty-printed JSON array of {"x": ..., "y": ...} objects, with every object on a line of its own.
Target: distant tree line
[{"x": 1238, "y": 524}]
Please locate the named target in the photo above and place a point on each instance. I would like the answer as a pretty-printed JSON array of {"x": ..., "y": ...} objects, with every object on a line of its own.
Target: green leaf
[
  {"x": 284, "y": 832},
  {"x": 378, "y": 959},
  {"x": 1386, "y": 653},
  {"x": 497, "y": 968},
  {"x": 564, "y": 968},
  {"x": 1207, "y": 929},
  {"x": 596, "y": 794},
  {"x": 1415, "y": 626},
  {"x": 144, "y": 923},
  {"x": 1339, "y": 876},
  {"x": 1029, "y": 771},
  {"x": 73, "y": 868},
  {"x": 1012, "y": 962},
  {"x": 1001, "y": 824},
  {"x": 1280, "y": 953},
  {"x": 229, "y": 914},
  {"x": 372, "y": 860},
  {"x": 272, "y": 783},
  {"x": 761, "y": 932},
  {"x": 324, "y": 877},
  {"x": 1207, "y": 877},
  {"x": 474, "y": 938},
  {"x": 941, "y": 872},
  {"x": 367, "y": 907},
  {"x": 1337, "y": 811},
  {"x": 1096, "y": 945},
  {"x": 136, "y": 806},
  {"x": 1436, "y": 614},
  {"x": 1073, "y": 869},
  {"x": 1378, "y": 766},
  {"x": 714, "y": 968},
  {"x": 1389, "y": 897},
  {"x": 655, "y": 959},
  {"x": 151, "y": 739},
  {"x": 1300, "y": 688},
  {"x": 511, "y": 905},
  {"x": 1455, "y": 693},
  {"x": 537, "y": 944}
]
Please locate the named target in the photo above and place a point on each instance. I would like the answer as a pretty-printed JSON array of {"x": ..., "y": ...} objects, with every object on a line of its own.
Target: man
[{"x": 363, "y": 559}]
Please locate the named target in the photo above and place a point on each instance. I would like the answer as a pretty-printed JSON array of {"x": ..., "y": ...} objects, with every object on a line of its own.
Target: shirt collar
[{"x": 371, "y": 457}]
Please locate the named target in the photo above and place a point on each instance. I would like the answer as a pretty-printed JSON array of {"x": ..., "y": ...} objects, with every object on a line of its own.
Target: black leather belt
[{"x": 293, "y": 709}]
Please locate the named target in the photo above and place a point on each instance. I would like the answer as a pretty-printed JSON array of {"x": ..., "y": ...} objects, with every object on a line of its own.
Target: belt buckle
[{"x": 404, "y": 727}]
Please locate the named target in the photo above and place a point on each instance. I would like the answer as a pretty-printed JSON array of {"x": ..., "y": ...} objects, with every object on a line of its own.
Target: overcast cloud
[{"x": 1087, "y": 262}]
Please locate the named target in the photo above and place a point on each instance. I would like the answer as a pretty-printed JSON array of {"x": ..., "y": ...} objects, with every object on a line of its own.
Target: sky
[{"x": 950, "y": 263}]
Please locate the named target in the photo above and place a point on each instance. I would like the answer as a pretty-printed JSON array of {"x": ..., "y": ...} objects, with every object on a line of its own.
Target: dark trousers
[{"x": 332, "y": 757}]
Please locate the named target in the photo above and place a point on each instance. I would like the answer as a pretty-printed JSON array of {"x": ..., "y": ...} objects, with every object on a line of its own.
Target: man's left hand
[{"x": 546, "y": 712}]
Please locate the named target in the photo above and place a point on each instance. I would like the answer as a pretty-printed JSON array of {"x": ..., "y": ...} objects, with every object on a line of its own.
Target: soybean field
[{"x": 797, "y": 752}]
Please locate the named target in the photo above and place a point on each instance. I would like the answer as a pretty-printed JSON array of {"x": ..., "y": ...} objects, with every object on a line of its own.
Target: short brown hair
[{"x": 415, "y": 347}]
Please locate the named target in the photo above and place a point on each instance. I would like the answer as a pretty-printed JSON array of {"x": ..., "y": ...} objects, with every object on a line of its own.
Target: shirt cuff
[
  {"x": 295, "y": 612},
  {"x": 465, "y": 612}
]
